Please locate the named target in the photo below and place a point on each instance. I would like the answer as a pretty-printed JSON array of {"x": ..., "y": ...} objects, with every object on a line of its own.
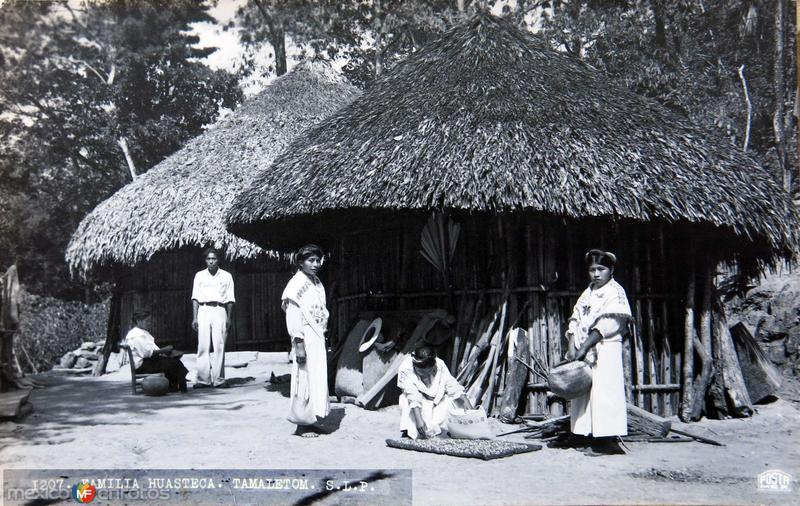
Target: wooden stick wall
[{"x": 540, "y": 262}]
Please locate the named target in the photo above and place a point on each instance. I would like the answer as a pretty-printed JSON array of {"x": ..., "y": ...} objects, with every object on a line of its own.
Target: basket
[{"x": 570, "y": 380}]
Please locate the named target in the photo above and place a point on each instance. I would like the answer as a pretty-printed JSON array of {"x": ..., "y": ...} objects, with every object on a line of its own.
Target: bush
[{"x": 50, "y": 327}]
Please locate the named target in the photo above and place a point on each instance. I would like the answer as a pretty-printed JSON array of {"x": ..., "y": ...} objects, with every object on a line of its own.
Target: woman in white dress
[
  {"x": 598, "y": 323},
  {"x": 303, "y": 300},
  {"x": 428, "y": 391}
]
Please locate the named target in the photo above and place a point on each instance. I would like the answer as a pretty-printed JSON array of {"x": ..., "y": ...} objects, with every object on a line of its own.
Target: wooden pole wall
[{"x": 543, "y": 261}]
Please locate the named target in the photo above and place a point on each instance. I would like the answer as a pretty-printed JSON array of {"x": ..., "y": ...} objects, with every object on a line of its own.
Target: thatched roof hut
[
  {"x": 536, "y": 157},
  {"x": 489, "y": 119},
  {"x": 148, "y": 235},
  {"x": 182, "y": 200}
]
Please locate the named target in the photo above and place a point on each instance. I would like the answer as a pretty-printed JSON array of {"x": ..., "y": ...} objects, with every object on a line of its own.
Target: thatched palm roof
[
  {"x": 488, "y": 118},
  {"x": 182, "y": 201}
]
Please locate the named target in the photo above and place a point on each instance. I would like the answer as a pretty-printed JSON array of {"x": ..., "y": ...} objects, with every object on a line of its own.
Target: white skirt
[
  {"x": 434, "y": 416},
  {"x": 316, "y": 367},
  {"x": 603, "y": 411}
]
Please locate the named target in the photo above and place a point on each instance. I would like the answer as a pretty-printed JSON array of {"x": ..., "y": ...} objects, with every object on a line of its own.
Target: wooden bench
[{"x": 136, "y": 379}]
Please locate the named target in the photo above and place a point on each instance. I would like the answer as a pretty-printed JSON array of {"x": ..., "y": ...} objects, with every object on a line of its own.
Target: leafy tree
[
  {"x": 714, "y": 61},
  {"x": 92, "y": 96},
  {"x": 370, "y": 35}
]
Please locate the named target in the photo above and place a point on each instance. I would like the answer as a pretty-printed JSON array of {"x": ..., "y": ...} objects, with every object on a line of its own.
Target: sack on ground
[{"x": 468, "y": 424}]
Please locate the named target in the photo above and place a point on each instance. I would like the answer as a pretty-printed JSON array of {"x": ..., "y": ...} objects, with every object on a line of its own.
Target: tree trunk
[
  {"x": 123, "y": 144},
  {"x": 9, "y": 321},
  {"x": 658, "y": 16},
  {"x": 277, "y": 36},
  {"x": 797, "y": 74},
  {"x": 278, "y": 41},
  {"x": 519, "y": 14},
  {"x": 112, "y": 334},
  {"x": 380, "y": 27},
  {"x": 779, "y": 81}
]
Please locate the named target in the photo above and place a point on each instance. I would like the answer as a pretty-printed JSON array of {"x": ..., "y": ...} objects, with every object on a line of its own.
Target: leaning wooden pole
[
  {"x": 687, "y": 401},
  {"x": 703, "y": 346},
  {"x": 738, "y": 399}
]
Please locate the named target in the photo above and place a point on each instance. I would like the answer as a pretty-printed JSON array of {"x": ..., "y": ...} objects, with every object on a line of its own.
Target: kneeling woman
[
  {"x": 303, "y": 300},
  {"x": 596, "y": 328},
  {"x": 428, "y": 392}
]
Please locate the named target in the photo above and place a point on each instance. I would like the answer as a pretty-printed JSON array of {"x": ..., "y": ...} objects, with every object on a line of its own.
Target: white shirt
[
  {"x": 142, "y": 345},
  {"x": 443, "y": 384},
  {"x": 213, "y": 288}
]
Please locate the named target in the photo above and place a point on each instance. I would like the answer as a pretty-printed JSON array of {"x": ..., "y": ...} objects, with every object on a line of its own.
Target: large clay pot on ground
[{"x": 155, "y": 385}]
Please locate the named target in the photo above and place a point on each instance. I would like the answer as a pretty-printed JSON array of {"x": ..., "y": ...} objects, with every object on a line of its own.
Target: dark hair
[
  {"x": 424, "y": 356},
  {"x": 139, "y": 315},
  {"x": 307, "y": 251},
  {"x": 208, "y": 251},
  {"x": 600, "y": 257}
]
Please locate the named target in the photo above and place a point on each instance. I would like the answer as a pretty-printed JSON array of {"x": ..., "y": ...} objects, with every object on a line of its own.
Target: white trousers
[
  {"x": 603, "y": 411},
  {"x": 434, "y": 416},
  {"x": 211, "y": 322}
]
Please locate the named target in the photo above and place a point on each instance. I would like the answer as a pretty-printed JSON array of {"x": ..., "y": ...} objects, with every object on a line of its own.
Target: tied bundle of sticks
[{"x": 643, "y": 426}]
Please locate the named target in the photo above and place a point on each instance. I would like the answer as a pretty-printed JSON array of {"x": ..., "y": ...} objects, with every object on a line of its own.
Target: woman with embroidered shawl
[
  {"x": 303, "y": 300},
  {"x": 598, "y": 323}
]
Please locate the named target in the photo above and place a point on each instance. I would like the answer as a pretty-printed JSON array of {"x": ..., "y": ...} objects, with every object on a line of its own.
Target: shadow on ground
[
  {"x": 333, "y": 421},
  {"x": 68, "y": 402}
]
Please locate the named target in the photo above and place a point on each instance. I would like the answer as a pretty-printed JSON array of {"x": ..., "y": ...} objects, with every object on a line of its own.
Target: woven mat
[{"x": 467, "y": 448}]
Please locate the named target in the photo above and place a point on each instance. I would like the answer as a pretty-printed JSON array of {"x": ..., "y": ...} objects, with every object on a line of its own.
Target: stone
[
  {"x": 776, "y": 351},
  {"x": 793, "y": 343},
  {"x": 68, "y": 360},
  {"x": 771, "y": 328},
  {"x": 89, "y": 355},
  {"x": 88, "y": 345},
  {"x": 82, "y": 363}
]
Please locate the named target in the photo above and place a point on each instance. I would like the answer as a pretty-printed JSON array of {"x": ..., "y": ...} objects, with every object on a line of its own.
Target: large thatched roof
[
  {"x": 182, "y": 201},
  {"x": 488, "y": 118}
]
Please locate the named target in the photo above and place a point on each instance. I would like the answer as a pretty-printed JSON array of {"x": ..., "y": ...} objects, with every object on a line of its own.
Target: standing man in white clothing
[{"x": 212, "y": 305}]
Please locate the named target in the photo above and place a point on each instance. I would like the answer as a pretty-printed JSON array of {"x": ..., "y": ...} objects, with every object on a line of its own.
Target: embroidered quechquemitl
[
  {"x": 303, "y": 299},
  {"x": 602, "y": 412}
]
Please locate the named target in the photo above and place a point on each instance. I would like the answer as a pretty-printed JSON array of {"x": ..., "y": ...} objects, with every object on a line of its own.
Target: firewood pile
[
  {"x": 505, "y": 368},
  {"x": 642, "y": 427},
  {"x": 497, "y": 364},
  {"x": 491, "y": 357}
]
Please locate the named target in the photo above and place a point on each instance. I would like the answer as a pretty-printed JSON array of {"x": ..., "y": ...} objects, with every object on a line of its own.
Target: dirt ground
[{"x": 84, "y": 422}]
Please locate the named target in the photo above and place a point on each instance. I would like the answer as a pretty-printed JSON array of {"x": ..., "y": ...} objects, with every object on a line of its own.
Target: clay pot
[{"x": 155, "y": 385}]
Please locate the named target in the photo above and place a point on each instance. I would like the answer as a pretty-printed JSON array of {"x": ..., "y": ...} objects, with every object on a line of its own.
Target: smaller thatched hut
[
  {"x": 149, "y": 235},
  {"x": 538, "y": 157}
]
